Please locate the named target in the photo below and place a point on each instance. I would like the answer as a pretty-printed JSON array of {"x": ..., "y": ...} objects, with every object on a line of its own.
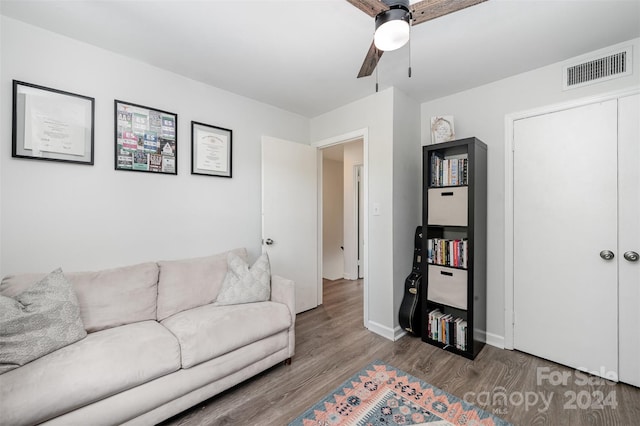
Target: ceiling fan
[{"x": 393, "y": 18}]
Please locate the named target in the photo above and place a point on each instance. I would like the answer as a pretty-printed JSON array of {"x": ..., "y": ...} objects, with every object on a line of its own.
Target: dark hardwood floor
[{"x": 332, "y": 344}]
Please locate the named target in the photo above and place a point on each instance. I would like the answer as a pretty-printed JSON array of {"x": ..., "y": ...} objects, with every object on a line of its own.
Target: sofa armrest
[{"x": 284, "y": 291}]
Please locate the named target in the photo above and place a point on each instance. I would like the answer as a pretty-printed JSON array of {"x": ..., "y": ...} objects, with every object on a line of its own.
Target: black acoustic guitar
[{"x": 409, "y": 315}]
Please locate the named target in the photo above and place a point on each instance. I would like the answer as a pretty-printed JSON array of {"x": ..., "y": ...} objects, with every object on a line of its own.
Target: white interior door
[
  {"x": 290, "y": 215},
  {"x": 629, "y": 239},
  {"x": 565, "y": 214}
]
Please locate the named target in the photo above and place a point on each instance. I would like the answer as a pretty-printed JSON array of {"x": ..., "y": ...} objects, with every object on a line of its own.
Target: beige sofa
[{"x": 156, "y": 345}]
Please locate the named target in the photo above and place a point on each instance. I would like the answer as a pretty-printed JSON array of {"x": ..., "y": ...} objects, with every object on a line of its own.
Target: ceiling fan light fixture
[{"x": 392, "y": 29}]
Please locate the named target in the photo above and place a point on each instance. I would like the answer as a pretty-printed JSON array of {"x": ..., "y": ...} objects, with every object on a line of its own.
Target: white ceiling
[{"x": 303, "y": 56}]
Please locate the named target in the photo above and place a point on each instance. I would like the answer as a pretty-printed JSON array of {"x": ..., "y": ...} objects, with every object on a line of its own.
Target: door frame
[
  {"x": 510, "y": 119},
  {"x": 358, "y": 177},
  {"x": 360, "y": 134}
]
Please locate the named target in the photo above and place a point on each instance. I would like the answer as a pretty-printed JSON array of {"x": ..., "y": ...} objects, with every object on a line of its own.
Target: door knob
[
  {"x": 268, "y": 241},
  {"x": 631, "y": 256},
  {"x": 606, "y": 254}
]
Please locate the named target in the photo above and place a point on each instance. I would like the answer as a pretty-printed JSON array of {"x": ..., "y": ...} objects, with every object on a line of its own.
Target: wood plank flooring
[{"x": 332, "y": 344}]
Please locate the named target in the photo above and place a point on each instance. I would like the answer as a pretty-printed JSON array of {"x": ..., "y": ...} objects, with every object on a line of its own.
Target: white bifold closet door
[
  {"x": 629, "y": 237},
  {"x": 565, "y": 216}
]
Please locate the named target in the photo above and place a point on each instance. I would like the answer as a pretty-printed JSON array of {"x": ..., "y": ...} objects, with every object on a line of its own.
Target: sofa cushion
[
  {"x": 210, "y": 331},
  {"x": 41, "y": 319},
  {"x": 107, "y": 298},
  {"x": 243, "y": 284},
  {"x": 102, "y": 364},
  {"x": 189, "y": 283}
]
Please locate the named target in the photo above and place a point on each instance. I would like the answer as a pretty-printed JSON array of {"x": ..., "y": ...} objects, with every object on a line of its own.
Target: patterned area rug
[{"x": 383, "y": 395}]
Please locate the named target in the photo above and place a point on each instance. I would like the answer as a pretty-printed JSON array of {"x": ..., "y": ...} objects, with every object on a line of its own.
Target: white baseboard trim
[
  {"x": 386, "y": 332},
  {"x": 480, "y": 335},
  {"x": 398, "y": 333},
  {"x": 332, "y": 277},
  {"x": 495, "y": 340},
  {"x": 350, "y": 277}
]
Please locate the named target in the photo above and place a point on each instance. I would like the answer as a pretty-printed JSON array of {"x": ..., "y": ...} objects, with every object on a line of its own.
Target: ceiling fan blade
[
  {"x": 370, "y": 61},
  {"x": 370, "y": 7},
  {"x": 427, "y": 10}
]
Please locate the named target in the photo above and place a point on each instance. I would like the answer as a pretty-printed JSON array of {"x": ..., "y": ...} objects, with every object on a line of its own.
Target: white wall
[
  {"x": 407, "y": 191},
  {"x": 352, "y": 155},
  {"x": 481, "y": 112},
  {"x": 87, "y": 217},
  {"x": 374, "y": 113},
  {"x": 332, "y": 219}
]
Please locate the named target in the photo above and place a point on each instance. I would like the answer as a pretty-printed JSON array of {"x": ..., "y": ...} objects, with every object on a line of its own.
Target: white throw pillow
[
  {"x": 43, "y": 318},
  {"x": 243, "y": 284}
]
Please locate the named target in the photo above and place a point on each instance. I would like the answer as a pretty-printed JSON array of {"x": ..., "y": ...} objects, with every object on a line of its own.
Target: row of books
[
  {"x": 447, "y": 329},
  {"x": 448, "y": 171},
  {"x": 447, "y": 252}
]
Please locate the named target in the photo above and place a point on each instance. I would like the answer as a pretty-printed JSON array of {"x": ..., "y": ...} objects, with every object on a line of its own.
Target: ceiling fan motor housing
[
  {"x": 393, "y": 14},
  {"x": 395, "y": 3},
  {"x": 398, "y": 10}
]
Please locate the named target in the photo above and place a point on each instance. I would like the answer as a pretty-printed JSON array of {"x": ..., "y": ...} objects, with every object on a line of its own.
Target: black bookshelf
[{"x": 454, "y": 216}]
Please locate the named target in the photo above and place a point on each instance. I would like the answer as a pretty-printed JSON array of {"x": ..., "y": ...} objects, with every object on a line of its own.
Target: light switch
[{"x": 376, "y": 209}]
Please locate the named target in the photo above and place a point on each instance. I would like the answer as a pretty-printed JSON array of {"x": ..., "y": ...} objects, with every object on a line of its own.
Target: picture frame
[
  {"x": 442, "y": 129},
  {"x": 146, "y": 139},
  {"x": 211, "y": 150},
  {"x": 51, "y": 124}
]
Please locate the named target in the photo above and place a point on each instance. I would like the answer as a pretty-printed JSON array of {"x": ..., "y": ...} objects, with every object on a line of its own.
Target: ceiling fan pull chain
[
  {"x": 410, "y": 28},
  {"x": 409, "y": 53},
  {"x": 377, "y": 73}
]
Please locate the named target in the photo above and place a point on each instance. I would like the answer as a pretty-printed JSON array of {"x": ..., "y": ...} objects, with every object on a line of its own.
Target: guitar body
[{"x": 409, "y": 315}]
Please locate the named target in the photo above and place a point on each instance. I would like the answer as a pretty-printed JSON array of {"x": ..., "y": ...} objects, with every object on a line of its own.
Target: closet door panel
[
  {"x": 629, "y": 238},
  {"x": 565, "y": 199}
]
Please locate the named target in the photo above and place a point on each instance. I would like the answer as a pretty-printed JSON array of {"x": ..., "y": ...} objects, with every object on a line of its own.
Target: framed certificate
[
  {"x": 50, "y": 124},
  {"x": 210, "y": 150}
]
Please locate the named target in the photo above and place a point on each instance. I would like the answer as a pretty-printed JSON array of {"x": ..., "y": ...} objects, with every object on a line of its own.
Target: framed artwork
[
  {"x": 146, "y": 139},
  {"x": 442, "y": 129},
  {"x": 50, "y": 124},
  {"x": 210, "y": 150}
]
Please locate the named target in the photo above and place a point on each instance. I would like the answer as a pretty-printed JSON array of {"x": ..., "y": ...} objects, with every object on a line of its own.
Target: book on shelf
[
  {"x": 448, "y": 171},
  {"x": 445, "y": 252},
  {"x": 447, "y": 329},
  {"x": 454, "y": 176}
]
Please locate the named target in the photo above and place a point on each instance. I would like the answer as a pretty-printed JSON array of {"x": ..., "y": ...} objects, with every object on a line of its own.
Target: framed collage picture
[{"x": 145, "y": 139}]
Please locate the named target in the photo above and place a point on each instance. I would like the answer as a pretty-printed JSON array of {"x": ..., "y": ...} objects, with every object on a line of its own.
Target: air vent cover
[{"x": 596, "y": 69}]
